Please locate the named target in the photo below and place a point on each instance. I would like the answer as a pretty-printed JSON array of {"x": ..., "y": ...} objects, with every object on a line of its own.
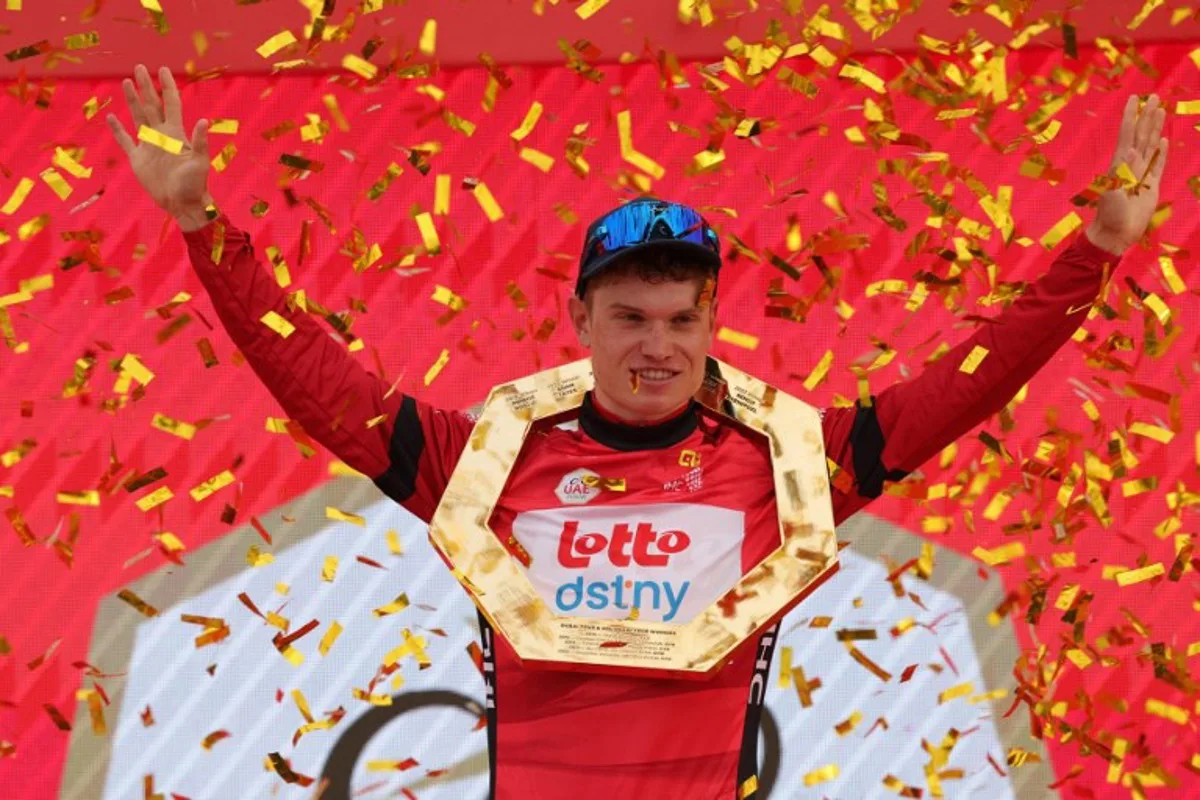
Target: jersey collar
[{"x": 623, "y": 436}]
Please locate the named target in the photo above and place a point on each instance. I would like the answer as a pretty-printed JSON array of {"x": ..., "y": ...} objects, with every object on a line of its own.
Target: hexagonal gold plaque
[{"x": 496, "y": 581}]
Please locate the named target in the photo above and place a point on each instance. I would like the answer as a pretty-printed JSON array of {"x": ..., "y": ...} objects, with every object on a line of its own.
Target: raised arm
[
  {"x": 911, "y": 421},
  {"x": 408, "y": 448}
]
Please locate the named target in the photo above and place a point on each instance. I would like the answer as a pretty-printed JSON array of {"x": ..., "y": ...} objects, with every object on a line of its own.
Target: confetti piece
[
  {"x": 428, "y": 41},
  {"x": 1000, "y": 555},
  {"x": 448, "y": 298},
  {"x": 429, "y": 233},
  {"x": 213, "y": 738},
  {"x": 276, "y": 43},
  {"x": 212, "y": 485},
  {"x": 1063, "y": 228},
  {"x": 847, "y": 725},
  {"x": 531, "y": 119},
  {"x": 537, "y": 158},
  {"x": 821, "y": 775},
  {"x": 223, "y": 126},
  {"x": 85, "y": 498},
  {"x": 391, "y": 766},
  {"x": 278, "y": 324},
  {"x": 432, "y": 373},
  {"x": 744, "y": 340},
  {"x": 863, "y": 77},
  {"x": 953, "y": 692},
  {"x": 1187, "y": 107},
  {"x": 344, "y": 516},
  {"x": 142, "y": 607},
  {"x": 360, "y": 66},
  {"x": 1155, "y": 432},
  {"x": 380, "y": 186},
  {"x": 161, "y": 140},
  {"x": 329, "y": 569},
  {"x": 629, "y": 154},
  {"x": 220, "y": 161},
  {"x": 487, "y": 202},
  {"x": 1132, "y": 576},
  {"x": 331, "y": 636},
  {"x": 1167, "y": 711},
  {"x": 17, "y": 198},
  {"x": 57, "y": 183},
  {"x": 973, "y": 360},
  {"x": 819, "y": 372},
  {"x": 155, "y": 498}
]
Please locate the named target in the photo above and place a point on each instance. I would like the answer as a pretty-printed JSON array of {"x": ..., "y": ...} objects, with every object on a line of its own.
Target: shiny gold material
[{"x": 496, "y": 581}]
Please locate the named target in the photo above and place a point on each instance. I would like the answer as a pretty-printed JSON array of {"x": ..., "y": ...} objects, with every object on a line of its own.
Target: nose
[{"x": 657, "y": 344}]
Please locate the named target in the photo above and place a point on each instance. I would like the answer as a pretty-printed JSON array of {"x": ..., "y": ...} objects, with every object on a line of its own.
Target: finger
[
  {"x": 151, "y": 102},
  {"x": 1160, "y": 163},
  {"x": 200, "y": 138},
  {"x": 134, "y": 102},
  {"x": 1125, "y": 136},
  {"x": 1156, "y": 130},
  {"x": 172, "y": 105},
  {"x": 1141, "y": 136},
  {"x": 120, "y": 134}
]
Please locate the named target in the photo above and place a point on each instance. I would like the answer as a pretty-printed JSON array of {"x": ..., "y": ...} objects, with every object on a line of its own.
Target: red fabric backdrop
[{"x": 786, "y": 171}]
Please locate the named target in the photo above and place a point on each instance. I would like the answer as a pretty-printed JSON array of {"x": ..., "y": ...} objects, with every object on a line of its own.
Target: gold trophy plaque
[{"x": 697, "y": 648}]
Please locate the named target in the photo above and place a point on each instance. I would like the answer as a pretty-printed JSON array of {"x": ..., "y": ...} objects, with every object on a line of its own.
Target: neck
[{"x": 607, "y": 413}]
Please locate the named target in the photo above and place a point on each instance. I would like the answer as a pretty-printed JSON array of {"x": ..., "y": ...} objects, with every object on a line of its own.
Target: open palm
[
  {"x": 1123, "y": 213},
  {"x": 178, "y": 183}
]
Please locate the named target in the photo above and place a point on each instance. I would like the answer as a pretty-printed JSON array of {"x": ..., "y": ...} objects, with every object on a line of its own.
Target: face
[{"x": 649, "y": 343}]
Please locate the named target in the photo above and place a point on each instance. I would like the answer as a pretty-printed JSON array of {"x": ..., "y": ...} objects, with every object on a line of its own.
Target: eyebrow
[{"x": 624, "y": 307}]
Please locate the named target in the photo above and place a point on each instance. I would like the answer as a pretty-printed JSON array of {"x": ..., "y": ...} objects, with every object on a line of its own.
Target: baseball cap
[{"x": 642, "y": 224}]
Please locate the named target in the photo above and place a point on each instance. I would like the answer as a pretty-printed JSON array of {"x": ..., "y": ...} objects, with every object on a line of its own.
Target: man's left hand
[{"x": 1123, "y": 213}]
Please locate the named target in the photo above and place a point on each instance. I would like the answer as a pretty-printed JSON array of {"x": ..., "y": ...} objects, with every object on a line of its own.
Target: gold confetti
[
  {"x": 847, "y": 725},
  {"x": 276, "y": 43},
  {"x": 57, "y": 183},
  {"x": 175, "y": 427},
  {"x": 973, "y": 360},
  {"x": 143, "y": 608},
  {"x": 223, "y": 126},
  {"x": 331, "y": 636},
  {"x": 441, "y": 203},
  {"x": 629, "y": 154},
  {"x": 1187, "y": 107},
  {"x": 221, "y": 161},
  {"x": 737, "y": 338},
  {"x": 155, "y": 498},
  {"x": 278, "y": 324},
  {"x": 360, "y": 66},
  {"x": 85, "y": 498},
  {"x": 161, "y": 140},
  {"x": 329, "y": 569},
  {"x": 819, "y": 372},
  {"x": 863, "y": 76},
  {"x": 17, "y": 198},
  {"x": 487, "y": 202},
  {"x": 531, "y": 118},
  {"x": 212, "y": 485},
  {"x": 589, "y": 7},
  {"x": 429, "y": 234},
  {"x": 396, "y": 606},
  {"x": 1155, "y": 432},
  {"x": 1063, "y": 228},
  {"x": 821, "y": 775},
  {"x": 1000, "y": 555},
  {"x": 345, "y": 516},
  {"x": 428, "y": 42},
  {"x": 953, "y": 692},
  {"x": 537, "y": 158},
  {"x": 1131, "y": 576},
  {"x": 1167, "y": 711},
  {"x": 380, "y": 186},
  {"x": 448, "y": 298}
]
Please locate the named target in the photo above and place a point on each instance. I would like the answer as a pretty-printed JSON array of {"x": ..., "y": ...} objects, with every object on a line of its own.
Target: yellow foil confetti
[
  {"x": 737, "y": 338},
  {"x": 531, "y": 118},
  {"x": 24, "y": 187},
  {"x": 344, "y": 516},
  {"x": 821, "y": 775},
  {"x": 487, "y": 202},
  {"x": 973, "y": 360},
  {"x": 819, "y": 371},
  {"x": 1132, "y": 576},
  {"x": 331, "y": 636},
  {"x": 161, "y": 140},
  {"x": 360, "y": 66},
  {"x": 432, "y": 373},
  {"x": 1000, "y": 555},
  {"x": 329, "y": 569},
  {"x": 429, "y": 234},
  {"x": 212, "y": 485},
  {"x": 155, "y": 498},
  {"x": 276, "y": 43},
  {"x": 278, "y": 324},
  {"x": 589, "y": 7}
]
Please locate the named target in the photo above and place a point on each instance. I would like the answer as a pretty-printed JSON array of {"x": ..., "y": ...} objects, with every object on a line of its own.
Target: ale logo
[{"x": 573, "y": 491}]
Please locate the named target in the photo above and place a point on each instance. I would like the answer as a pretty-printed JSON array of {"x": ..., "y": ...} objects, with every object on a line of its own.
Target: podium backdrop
[{"x": 93, "y": 279}]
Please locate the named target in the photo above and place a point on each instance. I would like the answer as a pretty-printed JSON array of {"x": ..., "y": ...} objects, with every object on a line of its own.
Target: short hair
[{"x": 652, "y": 265}]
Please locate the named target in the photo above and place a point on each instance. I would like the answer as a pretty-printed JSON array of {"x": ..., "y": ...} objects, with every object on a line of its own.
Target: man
[{"x": 698, "y": 510}]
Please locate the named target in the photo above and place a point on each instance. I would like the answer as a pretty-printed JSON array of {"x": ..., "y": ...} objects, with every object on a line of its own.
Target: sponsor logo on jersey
[
  {"x": 573, "y": 491},
  {"x": 670, "y": 561},
  {"x": 692, "y": 481}
]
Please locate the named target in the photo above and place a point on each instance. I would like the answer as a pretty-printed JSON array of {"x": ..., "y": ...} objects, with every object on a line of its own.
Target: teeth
[{"x": 655, "y": 374}]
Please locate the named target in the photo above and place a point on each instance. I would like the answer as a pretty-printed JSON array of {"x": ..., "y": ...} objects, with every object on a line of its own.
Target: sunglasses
[{"x": 645, "y": 221}]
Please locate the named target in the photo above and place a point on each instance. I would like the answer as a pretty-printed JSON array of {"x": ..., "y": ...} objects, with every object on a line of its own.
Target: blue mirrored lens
[{"x": 641, "y": 222}]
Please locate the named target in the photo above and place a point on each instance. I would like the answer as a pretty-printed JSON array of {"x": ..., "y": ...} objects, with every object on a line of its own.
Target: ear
[{"x": 581, "y": 320}]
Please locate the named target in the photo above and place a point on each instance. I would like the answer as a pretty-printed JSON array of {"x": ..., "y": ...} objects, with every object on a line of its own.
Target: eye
[
  {"x": 629, "y": 317},
  {"x": 685, "y": 319}
]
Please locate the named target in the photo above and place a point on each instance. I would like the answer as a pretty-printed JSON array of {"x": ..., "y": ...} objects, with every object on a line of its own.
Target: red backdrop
[{"x": 104, "y": 309}]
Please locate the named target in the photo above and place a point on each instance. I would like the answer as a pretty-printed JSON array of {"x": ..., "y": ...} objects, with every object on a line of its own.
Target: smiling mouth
[{"x": 650, "y": 377}]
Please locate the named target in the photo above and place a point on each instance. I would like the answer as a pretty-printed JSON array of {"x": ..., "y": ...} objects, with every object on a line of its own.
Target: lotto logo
[{"x": 641, "y": 545}]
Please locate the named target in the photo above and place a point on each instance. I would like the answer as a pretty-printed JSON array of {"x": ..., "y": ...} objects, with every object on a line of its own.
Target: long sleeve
[
  {"x": 912, "y": 421},
  {"x": 408, "y": 448}
]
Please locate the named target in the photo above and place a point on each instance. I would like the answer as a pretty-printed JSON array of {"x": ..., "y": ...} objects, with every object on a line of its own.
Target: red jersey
[{"x": 697, "y": 513}]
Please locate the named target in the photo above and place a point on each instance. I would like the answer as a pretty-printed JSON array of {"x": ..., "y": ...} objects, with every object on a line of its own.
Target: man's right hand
[{"x": 177, "y": 183}]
